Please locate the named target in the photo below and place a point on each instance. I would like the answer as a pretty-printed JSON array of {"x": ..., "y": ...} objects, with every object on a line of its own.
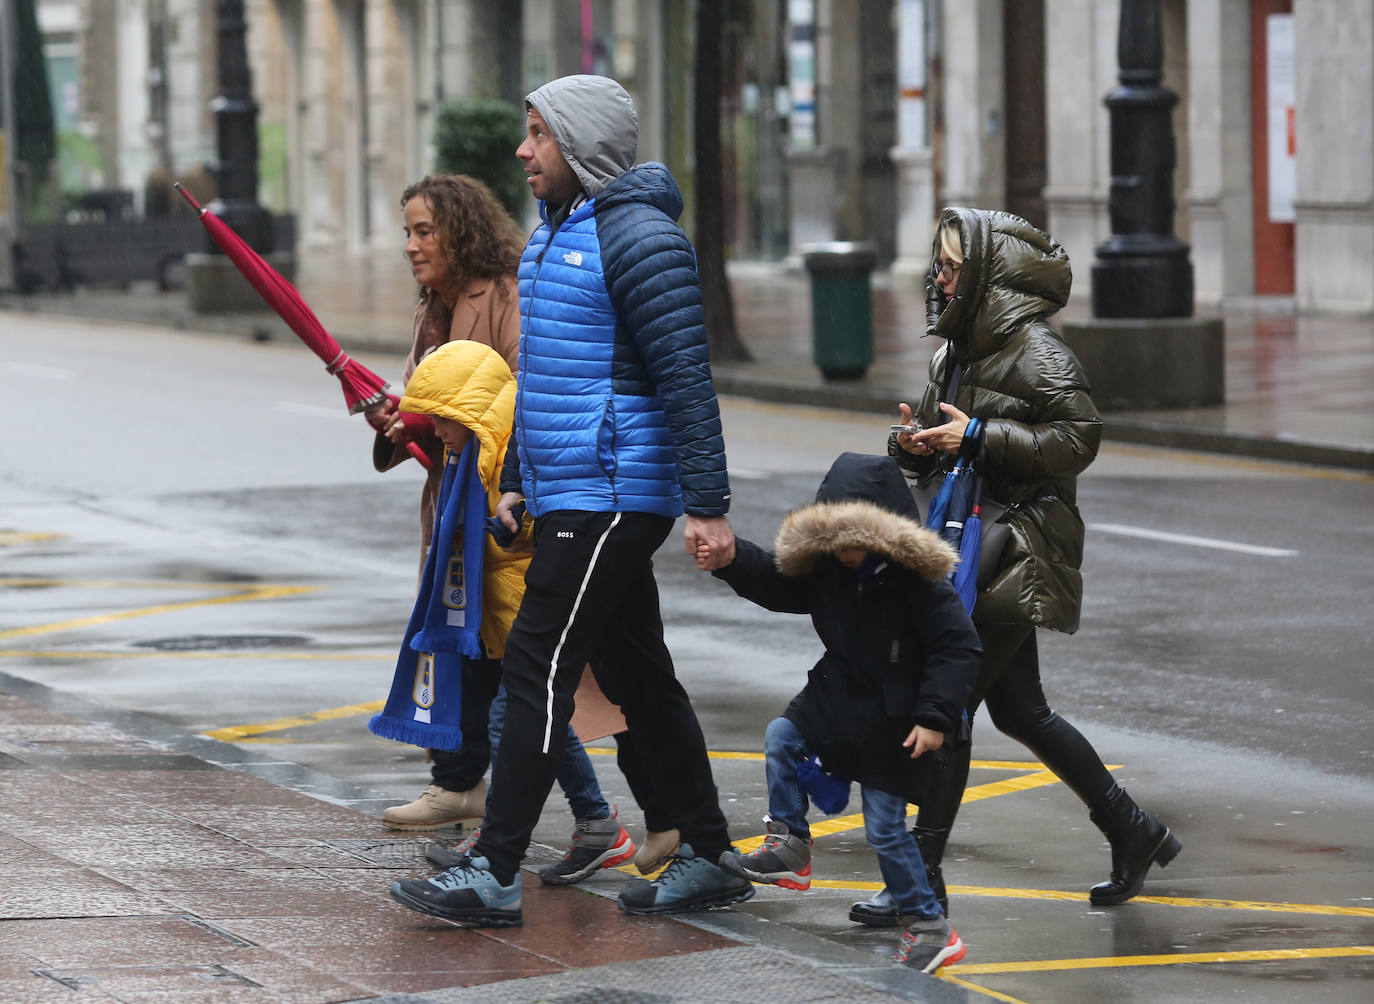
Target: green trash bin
[{"x": 841, "y": 307}]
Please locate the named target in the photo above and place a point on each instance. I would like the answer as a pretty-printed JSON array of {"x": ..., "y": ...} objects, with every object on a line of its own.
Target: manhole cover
[{"x": 211, "y": 642}]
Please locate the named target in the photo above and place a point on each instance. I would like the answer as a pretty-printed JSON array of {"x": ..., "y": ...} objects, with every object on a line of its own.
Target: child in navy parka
[{"x": 901, "y": 657}]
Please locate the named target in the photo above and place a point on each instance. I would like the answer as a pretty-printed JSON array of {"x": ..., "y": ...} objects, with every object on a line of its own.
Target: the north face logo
[{"x": 573, "y": 257}]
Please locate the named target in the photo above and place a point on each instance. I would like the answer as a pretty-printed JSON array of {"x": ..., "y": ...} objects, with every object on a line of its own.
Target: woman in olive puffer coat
[{"x": 993, "y": 282}]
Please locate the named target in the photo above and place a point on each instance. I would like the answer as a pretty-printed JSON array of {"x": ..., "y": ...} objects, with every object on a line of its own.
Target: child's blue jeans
[
  {"x": 899, "y": 856},
  {"x": 575, "y": 775}
]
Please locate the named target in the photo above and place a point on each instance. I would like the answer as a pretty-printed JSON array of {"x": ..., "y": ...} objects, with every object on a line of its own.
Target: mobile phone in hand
[{"x": 899, "y": 429}]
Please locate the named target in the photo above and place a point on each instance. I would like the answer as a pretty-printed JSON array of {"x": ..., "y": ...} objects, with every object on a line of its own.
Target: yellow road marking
[
  {"x": 1182, "y": 958},
  {"x": 984, "y": 991},
  {"x": 8, "y": 538},
  {"x": 30, "y": 583},
  {"x": 241, "y": 595},
  {"x": 1063, "y": 896},
  {"x": 236, "y": 732}
]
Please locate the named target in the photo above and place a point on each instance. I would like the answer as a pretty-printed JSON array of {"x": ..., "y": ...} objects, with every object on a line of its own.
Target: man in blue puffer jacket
[{"x": 617, "y": 433}]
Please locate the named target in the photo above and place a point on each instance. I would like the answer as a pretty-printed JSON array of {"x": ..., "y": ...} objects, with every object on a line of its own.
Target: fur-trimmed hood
[
  {"x": 863, "y": 502},
  {"x": 828, "y": 527}
]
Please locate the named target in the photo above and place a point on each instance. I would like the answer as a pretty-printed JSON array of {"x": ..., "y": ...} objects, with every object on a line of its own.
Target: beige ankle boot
[
  {"x": 657, "y": 848},
  {"x": 437, "y": 807}
]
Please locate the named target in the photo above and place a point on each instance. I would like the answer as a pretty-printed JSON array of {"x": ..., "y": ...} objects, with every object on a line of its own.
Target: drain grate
[
  {"x": 396, "y": 853},
  {"x": 170, "y": 981},
  {"x": 219, "y": 642}
]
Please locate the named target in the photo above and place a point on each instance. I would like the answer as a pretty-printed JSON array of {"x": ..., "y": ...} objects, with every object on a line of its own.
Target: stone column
[
  {"x": 1219, "y": 191},
  {"x": 974, "y": 153},
  {"x": 1335, "y": 150},
  {"x": 1080, "y": 41},
  {"x": 912, "y": 156}
]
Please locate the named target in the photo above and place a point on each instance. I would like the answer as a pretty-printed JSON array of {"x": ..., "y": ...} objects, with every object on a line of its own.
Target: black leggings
[{"x": 1009, "y": 684}]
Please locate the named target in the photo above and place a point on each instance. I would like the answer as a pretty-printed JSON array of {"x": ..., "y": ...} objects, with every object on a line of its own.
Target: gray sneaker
[
  {"x": 468, "y": 893},
  {"x": 596, "y": 843},
  {"x": 446, "y": 857},
  {"x": 782, "y": 859},
  {"x": 928, "y": 944}
]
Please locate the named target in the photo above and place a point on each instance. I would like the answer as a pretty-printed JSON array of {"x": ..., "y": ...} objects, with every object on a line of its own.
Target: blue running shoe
[
  {"x": 468, "y": 892},
  {"x": 689, "y": 883}
]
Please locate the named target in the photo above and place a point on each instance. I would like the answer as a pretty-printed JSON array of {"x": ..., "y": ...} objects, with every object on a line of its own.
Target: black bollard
[
  {"x": 1142, "y": 270},
  {"x": 236, "y": 135}
]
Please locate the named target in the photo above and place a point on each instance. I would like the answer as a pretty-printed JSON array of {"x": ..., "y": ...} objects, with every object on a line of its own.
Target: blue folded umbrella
[
  {"x": 955, "y": 514},
  {"x": 970, "y": 547}
]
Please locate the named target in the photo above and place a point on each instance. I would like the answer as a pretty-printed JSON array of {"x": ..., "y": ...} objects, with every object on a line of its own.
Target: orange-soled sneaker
[
  {"x": 928, "y": 943},
  {"x": 782, "y": 859},
  {"x": 596, "y": 844}
]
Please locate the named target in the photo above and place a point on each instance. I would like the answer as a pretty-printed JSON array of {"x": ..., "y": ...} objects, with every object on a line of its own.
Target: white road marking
[
  {"x": 1191, "y": 541},
  {"x": 33, "y": 370},
  {"x": 314, "y": 410}
]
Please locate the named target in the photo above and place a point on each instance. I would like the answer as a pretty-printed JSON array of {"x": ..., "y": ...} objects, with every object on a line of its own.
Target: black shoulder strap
[{"x": 949, "y": 386}]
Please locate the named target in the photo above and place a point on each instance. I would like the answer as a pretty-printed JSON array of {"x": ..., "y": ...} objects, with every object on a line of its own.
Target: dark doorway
[{"x": 1023, "y": 44}]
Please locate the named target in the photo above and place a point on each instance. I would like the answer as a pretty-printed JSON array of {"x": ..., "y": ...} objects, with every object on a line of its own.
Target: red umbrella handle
[{"x": 414, "y": 450}]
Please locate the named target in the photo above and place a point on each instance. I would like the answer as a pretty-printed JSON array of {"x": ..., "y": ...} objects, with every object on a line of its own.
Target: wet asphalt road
[{"x": 191, "y": 528}]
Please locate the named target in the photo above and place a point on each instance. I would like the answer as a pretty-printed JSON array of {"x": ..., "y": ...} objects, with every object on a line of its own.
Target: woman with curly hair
[{"x": 464, "y": 249}]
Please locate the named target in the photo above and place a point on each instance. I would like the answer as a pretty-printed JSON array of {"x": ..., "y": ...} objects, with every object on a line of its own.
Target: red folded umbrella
[{"x": 363, "y": 390}]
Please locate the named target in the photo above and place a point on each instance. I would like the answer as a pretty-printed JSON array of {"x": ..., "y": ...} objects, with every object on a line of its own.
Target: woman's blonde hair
[{"x": 951, "y": 244}]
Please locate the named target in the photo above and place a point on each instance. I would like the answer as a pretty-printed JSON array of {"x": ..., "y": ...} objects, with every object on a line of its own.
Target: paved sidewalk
[
  {"x": 1297, "y": 388},
  {"x": 142, "y": 863}
]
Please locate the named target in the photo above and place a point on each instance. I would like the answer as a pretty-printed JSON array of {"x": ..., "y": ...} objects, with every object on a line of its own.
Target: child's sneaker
[
  {"x": 468, "y": 892},
  {"x": 782, "y": 859},
  {"x": 928, "y": 944},
  {"x": 596, "y": 843},
  {"x": 689, "y": 883},
  {"x": 446, "y": 857}
]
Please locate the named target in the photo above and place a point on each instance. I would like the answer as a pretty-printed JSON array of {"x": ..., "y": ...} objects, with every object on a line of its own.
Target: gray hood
[{"x": 594, "y": 121}]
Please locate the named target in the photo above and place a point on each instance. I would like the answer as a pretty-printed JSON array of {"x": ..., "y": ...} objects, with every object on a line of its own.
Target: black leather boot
[
  {"x": 880, "y": 911},
  {"x": 932, "y": 844},
  {"x": 1138, "y": 840}
]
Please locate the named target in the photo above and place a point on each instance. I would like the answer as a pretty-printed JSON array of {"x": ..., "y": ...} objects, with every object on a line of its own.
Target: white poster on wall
[
  {"x": 801, "y": 73},
  {"x": 1282, "y": 90}
]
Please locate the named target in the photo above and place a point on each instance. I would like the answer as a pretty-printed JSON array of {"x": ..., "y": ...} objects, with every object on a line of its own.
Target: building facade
[
  {"x": 843, "y": 119},
  {"x": 1273, "y": 132}
]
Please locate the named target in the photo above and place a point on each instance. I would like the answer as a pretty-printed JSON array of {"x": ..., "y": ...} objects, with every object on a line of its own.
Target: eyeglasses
[{"x": 949, "y": 270}]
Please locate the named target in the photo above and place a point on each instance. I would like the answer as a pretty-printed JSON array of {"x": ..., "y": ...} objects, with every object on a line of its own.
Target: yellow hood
[{"x": 470, "y": 383}]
